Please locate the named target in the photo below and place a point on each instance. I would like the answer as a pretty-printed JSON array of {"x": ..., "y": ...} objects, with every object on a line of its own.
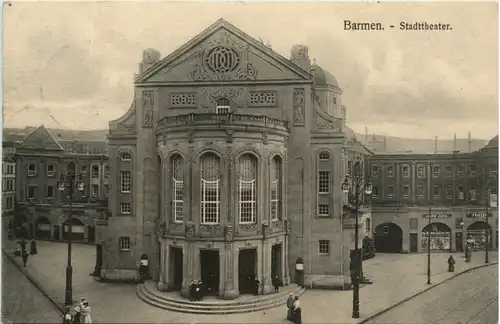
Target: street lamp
[
  {"x": 429, "y": 247},
  {"x": 487, "y": 230},
  {"x": 464, "y": 237},
  {"x": 356, "y": 180},
  {"x": 67, "y": 184}
]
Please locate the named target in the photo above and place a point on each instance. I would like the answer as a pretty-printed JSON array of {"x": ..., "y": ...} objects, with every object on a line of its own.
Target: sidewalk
[{"x": 395, "y": 276}]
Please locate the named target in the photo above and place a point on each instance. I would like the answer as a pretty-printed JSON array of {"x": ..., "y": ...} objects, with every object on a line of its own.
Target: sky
[{"x": 71, "y": 64}]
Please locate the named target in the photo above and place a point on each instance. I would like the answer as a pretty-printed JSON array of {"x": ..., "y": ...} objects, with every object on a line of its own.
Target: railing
[{"x": 224, "y": 119}]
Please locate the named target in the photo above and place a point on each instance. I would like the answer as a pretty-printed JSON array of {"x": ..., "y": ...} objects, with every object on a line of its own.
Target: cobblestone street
[{"x": 395, "y": 276}]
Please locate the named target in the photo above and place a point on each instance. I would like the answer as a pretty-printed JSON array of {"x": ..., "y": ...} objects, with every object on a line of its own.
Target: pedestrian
[
  {"x": 256, "y": 286},
  {"x": 33, "y": 249},
  {"x": 289, "y": 306},
  {"x": 67, "y": 317},
  {"x": 77, "y": 318},
  {"x": 451, "y": 264},
  {"x": 25, "y": 257},
  {"x": 297, "y": 311},
  {"x": 86, "y": 313},
  {"x": 276, "y": 284}
]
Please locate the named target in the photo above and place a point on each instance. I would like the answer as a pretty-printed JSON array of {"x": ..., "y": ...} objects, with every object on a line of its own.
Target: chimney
[
  {"x": 470, "y": 142},
  {"x": 454, "y": 141},
  {"x": 366, "y": 133},
  {"x": 385, "y": 143},
  {"x": 300, "y": 56},
  {"x": 435, "y": 144},
  {"x": 149, "y": 58}
]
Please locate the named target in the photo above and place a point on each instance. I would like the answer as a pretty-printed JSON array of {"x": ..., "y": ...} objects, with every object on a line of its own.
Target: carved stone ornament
[
  {"x": 190, "y": 230},
  {"x": 277, "y": 226},
  {"x": 211, "y": 230},
  {"x": 161, "y": 227},
  {"x": 190, "y": 136},
  {"x": 223, "y": 58},
  {"x": 148, "y": 105},
  {"x": 299, "y": 108},
  {"x": 229, "y": 136},
  {"x": 325, "y": 126},
  {"x": 265, "y": 138},
  {"x": 245, "y": 228},
  {"x": 208, "y": 96},
  {"x": 177, "y": 228},
  {"x": 228, "y": 230}
]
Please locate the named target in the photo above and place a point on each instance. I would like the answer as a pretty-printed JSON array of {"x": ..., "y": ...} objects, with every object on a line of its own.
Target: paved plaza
[{"x": 395, "y": 276}]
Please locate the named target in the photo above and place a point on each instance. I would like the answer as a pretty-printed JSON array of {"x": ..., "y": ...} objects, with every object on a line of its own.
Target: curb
[
  {"x": 59, "y": 307},
  {"x": 372, "y": 316}
]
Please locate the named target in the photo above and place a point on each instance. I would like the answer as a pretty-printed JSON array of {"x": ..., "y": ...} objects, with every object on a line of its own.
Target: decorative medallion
[{"x": 298, "y": 107}]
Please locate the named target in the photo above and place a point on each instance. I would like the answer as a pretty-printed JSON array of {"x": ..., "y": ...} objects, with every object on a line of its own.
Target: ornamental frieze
[
  {"x": 208, "y": 96},
  {"x": 211, "y": 230},
  {"x": 247, "y": 228}
]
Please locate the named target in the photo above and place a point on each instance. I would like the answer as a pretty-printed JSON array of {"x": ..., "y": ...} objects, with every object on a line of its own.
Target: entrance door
[
  {"x": 276, "y": 261},
  {"x": 413, "y": 242},
  {"x": 210, "y": 271},
  {"x": 98, "y": 260},
  {"x": 247, "y": 270},
  {"x": 91, "y": 233},
  {"x": 459, "y": 242},
  {"x": 176, "y": 267},
  {"x": 56, "y": 233}
]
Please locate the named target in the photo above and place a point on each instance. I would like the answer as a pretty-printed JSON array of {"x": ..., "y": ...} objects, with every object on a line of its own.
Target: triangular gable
[
  {"x": 248, "y": 50},
  {"x": 41, "y": 139}
]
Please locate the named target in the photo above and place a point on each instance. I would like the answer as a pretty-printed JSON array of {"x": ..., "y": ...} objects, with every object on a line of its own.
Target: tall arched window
[
  {"x": 247, "y": 188},
  {"x": 222, "y": 106},
  {"x": 210, "y": 189},
  {"x": 276, "y": 186},
  {"x": 177, "y": 178}
]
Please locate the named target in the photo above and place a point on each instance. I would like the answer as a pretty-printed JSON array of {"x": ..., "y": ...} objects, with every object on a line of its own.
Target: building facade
[
  {"x": 41, "y": 208},
  {"x": 455, "y": 189},
  {"x": 8, "y": 181},
  {"x": 228, "y": 165}
]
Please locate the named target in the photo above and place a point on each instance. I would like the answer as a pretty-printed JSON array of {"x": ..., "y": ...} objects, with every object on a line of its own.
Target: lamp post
[
  {"x": 487, "y": 230},
  {"x": 68, "y": 185},
  {"x": 429, "y": 247},
  {"x": 356, "y": 180},
  {"x": 464, "y": 237}
]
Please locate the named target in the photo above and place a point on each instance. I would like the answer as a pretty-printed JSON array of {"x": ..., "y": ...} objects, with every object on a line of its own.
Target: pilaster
[
  {"x": 267, "y": 287},
  {"x": 162, "y": 282},
  {"x": 187, "y": 267}
]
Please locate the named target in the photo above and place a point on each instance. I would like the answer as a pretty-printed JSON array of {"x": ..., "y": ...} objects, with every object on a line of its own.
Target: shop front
[
  {"x": 478, "y": 231},
  {"x": 438, "y": 235}
]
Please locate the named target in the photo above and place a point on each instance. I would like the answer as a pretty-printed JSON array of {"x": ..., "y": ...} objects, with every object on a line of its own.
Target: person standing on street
[
  {"x": 86, "y": 313},
  {"x": 297, "y": 311},
  {"x": 77, "y": 318},
  {"x": 451, "y": 264},
  {"x": 67, "y": 317},
  {"x": 289, "y": 306},
  {"x": 25, "y": 257}
]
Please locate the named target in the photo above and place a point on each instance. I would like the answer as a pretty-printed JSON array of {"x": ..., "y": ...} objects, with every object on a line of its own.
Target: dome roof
[
  {"x": 493, "y": 143},
  {"x": 323, "y": 77}
]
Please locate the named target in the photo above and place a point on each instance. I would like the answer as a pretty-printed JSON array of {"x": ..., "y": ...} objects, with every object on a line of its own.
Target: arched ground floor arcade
[
  {"x": 409, "y": 229},
  {"x": 227, "y": 269}
]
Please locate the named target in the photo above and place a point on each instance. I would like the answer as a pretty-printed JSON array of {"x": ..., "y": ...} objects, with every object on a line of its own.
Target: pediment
[
  {"x": 41, "y": 139},
  {"x": 223, "y": 53}
]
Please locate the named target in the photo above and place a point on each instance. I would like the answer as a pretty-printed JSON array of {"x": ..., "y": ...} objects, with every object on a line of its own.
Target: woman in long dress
[
  {"x": 86, "y": 313},
  {"x": 297, "y": 311}
]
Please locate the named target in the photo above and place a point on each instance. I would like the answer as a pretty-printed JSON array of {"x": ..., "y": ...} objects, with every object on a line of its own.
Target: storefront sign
[
  {"x": 437, "y": 215},
  {"x": 478, "y": 215}
]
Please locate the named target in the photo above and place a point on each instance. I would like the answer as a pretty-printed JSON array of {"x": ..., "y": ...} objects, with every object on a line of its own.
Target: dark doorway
[
  {"x": 247, "y": 270},
  {"x": 57, "y": 234},
  {"x": 388, "y": 238},
  {"x": 31, "y": 231},
  {"x": 91, "y": 233},
  {"x": 43, "y": 228},
  {"x": 276, "y": 254},
  {"x": 210, "y": 271},
  {"x": 459, "y": 242},
  {"x": 98, "y": 260},
  {"x": 77, "y": 230},
  {"x": 176, "y": 268},
  {"x": 413, "y": 242}
]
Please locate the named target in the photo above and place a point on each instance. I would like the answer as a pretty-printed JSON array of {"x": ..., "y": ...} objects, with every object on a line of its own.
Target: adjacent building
[
  {"x": 229, "y": 165},
  {"x": 458, "y": 190},
  {"x": 8, "y": 181},
  {"x": 42, "y": 209}
]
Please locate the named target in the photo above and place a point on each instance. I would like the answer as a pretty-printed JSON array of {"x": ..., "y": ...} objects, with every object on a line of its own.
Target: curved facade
[{"x": 227, "y": 166}]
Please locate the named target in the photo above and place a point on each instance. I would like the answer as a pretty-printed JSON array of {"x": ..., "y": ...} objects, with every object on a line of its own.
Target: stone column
[
  {"x": 187, "y": 266},
  {"x": 230, "y": 291},
  {"x": 267, "y": 287},
  {"x": 164, "y": 266}
]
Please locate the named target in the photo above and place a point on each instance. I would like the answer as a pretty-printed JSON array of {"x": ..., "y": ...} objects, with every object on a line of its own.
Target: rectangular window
[
  {"x": 106, "y": 171},
  {"x": 124, "y": 243},
  {"x": 406, "y": 171},
  {"x": 461, "y": 170},
  {"x": 493, "y": 169},
  {"x": 375, "y": 171},
  {"x": 178, "y": 202},
  {"x": 105, "y": 188},
  {"x": 247, "y": 202},
  {"x": 420, "y": 192},
  {"x": 448, "y": 192},
  {"x": 9, "y": 204},
  {"x": 95, "y": 191},
  {"x": 50, "y": 191},
  {"x": 95, "y": 171},
  {"x": 374, "y": 192},
  {"x": 51, "y": 170},
  {"x": 125, "y": 181},
  {"x": 210, "y": 202},
  {"x": 324, "y": 247},
  {"x": 125, "y": 208},
  {"x": 390, "y": 192},
  {"x": 472, "y": 194},
  {"x": 460, "y": 193},
  {"x": 421, "y": 171},
  {"x": 324, "y": 182},
  {"x": 472, "y": 170},
  {"x": 31, "y": 170},
  {"x": 323, "y": 210},
  {"x": 390, "y": 171},
  {"x": 436, "y": 171},
  {"x": 436, "y": 191},
  {"x": 9, "y": 185},
  {"x": 31, "y": 192},
  {"x": 448, "y": 170},
  {"x": 406, "y": 192}
]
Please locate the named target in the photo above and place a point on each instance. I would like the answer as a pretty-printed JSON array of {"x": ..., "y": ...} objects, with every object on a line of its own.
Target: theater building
[
  {"x": 455, "y": 189},
  {"x": 228, "y": 164},
  {"x": 41, "y": 209}
]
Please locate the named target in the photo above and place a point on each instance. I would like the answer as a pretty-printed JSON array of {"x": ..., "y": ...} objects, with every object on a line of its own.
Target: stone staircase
[{"x": 172, "y": 301}]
